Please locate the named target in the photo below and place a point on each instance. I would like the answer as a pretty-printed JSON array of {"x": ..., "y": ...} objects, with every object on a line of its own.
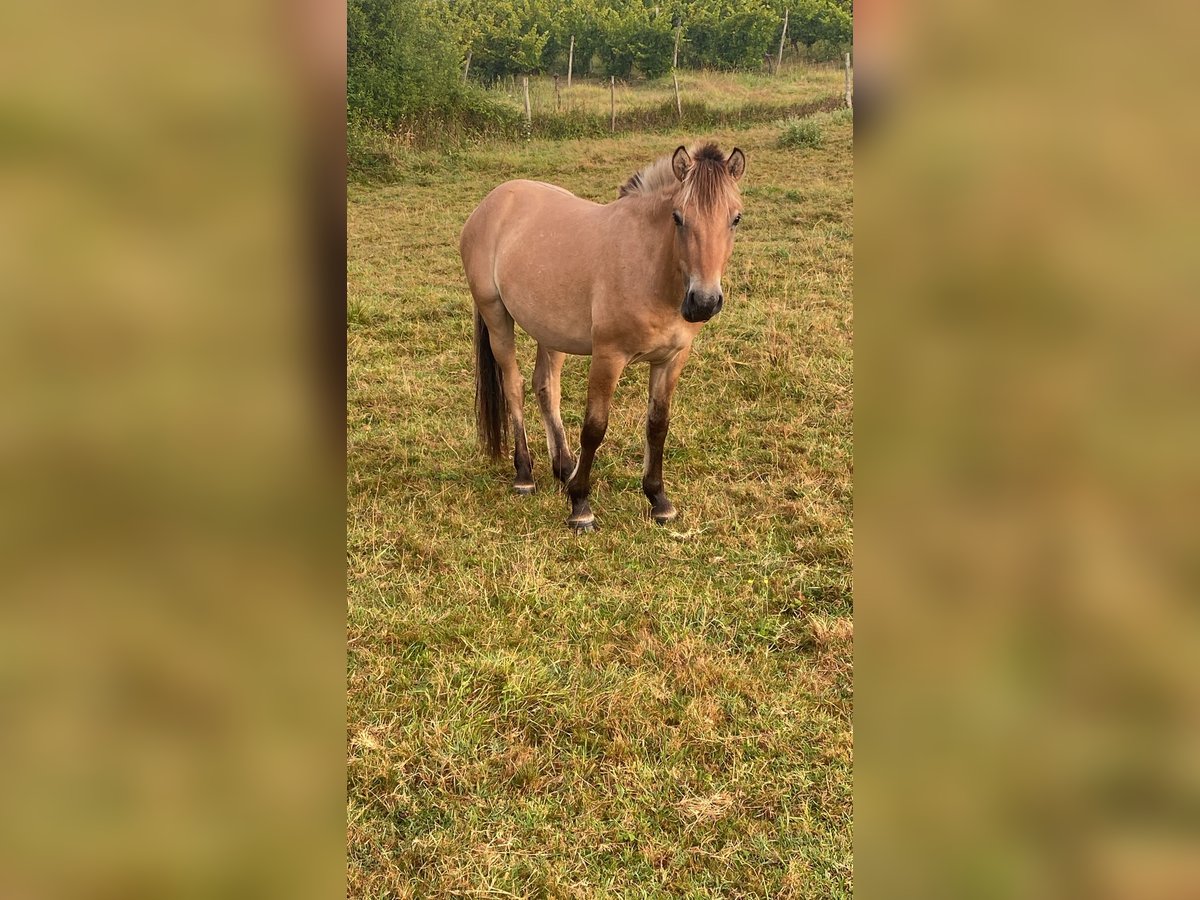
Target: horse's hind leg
[
  {"x": 547, "y": 383},
  {"x": 504, "y": 348}
]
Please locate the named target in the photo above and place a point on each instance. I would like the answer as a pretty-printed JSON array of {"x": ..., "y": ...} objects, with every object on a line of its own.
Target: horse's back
[{"x": 509, "y": 204}]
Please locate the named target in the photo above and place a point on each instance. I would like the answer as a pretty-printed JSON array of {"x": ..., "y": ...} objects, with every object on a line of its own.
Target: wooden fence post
[
  {"x": 849, "y": 101},
  {"x": 782, "y": 35},
  {"x": 675, "y": 58},
  {"x": 612, "y": 99},
  {"x": 525, "y": 85},
  {"x": 571, "y": 60},
  {"x": 467, "y": 67},
  {"x": 557, "y": 96},
  {"x": 678, "y": 104}
]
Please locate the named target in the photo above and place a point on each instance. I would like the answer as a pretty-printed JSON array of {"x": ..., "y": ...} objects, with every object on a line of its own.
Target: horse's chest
[
  {"x": 655, "y": 357},
  {"x": 660, "y": 345}
]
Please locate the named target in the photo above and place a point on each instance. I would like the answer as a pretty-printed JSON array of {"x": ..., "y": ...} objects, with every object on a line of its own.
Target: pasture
[
  {"x": 644, "y": 711},
  {"x": 724, "y": 91}
]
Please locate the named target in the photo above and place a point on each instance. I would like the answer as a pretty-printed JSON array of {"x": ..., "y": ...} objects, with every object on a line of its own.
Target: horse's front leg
[
  {"x": 663, "y": 378},
  {"x": 603, "y": 375}
]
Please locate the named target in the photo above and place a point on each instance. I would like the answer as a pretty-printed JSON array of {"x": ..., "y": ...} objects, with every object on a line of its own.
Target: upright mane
[{"x": 706, "y": 181}]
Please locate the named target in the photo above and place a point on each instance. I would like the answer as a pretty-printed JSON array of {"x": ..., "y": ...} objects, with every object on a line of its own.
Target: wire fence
[{"x": 688, "y": 94}]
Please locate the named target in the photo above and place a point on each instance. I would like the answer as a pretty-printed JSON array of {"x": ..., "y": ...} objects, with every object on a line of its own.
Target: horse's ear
[
  {"x": 736, "y": 164},
  {"x": 681, "y": 162}
]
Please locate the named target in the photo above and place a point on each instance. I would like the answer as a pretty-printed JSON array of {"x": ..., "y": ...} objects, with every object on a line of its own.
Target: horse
[{"x": 629, "y": 281}]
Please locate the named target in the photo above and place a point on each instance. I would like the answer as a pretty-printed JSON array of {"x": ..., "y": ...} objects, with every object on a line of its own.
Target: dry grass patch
[{"x": 706, "y": 809}]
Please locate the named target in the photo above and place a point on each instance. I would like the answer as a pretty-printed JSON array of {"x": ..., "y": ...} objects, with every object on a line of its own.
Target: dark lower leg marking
[
  {"x": 658, "y": 415},
  {"x": 522, "y": 459},
  {"x": 561, "y": 461},
  {"x": 657, "y": 423},
  {"x": 546, "y": 377},
  {"x": 579, "y": 487},
  {"x": 603, "y": 375}
]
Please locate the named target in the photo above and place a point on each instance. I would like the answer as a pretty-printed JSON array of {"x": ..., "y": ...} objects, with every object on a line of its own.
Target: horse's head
[{"x": 707, "y": 209}]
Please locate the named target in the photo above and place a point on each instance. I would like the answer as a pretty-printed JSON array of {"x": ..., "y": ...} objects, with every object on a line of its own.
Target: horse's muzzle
[{"x": 699, "y": 307}]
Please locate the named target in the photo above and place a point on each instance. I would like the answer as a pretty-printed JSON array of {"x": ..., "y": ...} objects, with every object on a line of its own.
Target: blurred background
[
  {"x": 1027, "y": 362},
  {"x": 172, "y": 634}
]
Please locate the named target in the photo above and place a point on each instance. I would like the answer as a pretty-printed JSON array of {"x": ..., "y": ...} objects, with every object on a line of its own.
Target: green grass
[
  {"x": 800, "y": 133},
  {"x": 640, "y": 712}
]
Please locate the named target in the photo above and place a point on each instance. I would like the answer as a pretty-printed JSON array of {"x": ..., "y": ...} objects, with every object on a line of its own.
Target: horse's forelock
[{"x": 706, "y": 182}]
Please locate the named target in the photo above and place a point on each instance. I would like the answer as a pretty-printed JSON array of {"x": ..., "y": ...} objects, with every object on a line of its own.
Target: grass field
[
  {"x": 718, "y": 90},
  {"x": 640, "y": 712}
]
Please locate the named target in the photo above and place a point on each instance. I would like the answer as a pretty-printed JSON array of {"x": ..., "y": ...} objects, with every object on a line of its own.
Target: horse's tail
[{"x": 491, "y": 409}]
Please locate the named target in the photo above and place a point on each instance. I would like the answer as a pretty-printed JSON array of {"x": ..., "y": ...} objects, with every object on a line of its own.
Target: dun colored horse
[{"x": 628, "y": 281}]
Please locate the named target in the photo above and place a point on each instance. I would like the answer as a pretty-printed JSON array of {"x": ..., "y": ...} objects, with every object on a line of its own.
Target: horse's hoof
[
  {"x": 582, "y": 526},
  {"x": 663, "y": 516},
  {"x": 523, "y": 488}
]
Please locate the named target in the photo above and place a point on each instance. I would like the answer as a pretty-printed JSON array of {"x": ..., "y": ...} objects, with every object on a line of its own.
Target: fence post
[
  {"x": 675, "y": 58},
  {"x": 782, "y": 35},
  {"x": 570, "y": 60},
  {"x": 849, "y": 101},
  {"x": 467, "y": 67},
  {"x": 612, "y": 99},
  {"x": 525, "y": 85},
  {"x": 557, "y": 96},
  {"x": 678, "y": 105}
]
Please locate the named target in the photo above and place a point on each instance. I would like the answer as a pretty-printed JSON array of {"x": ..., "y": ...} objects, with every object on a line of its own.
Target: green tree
[
  {"x": 504, "y": 37},
  {"x": 811, "y": 22},
  {"x": 635, "y": 36},
  {"x": 399, "y": 63},
  {"x": 573, "y": 18},
  {"x": 729, "y": 34}
]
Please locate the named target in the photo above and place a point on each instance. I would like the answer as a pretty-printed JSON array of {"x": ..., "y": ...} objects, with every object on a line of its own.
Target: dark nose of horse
[{"x": 700, "y": 307}]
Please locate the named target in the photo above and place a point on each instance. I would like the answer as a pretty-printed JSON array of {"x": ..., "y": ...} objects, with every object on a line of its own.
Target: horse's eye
[
  {"x": 737, "y": 219},
  {"x": 678, "y": 218}
]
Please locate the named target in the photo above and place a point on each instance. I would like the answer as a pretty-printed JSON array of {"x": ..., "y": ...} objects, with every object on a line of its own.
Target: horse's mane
[{"x": 706, "y": 180}]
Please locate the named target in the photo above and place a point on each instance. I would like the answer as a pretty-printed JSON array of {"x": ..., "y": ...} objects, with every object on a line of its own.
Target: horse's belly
[
  {"x": 555, "y": 334},
  {"x": 556, "y": 316}
]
